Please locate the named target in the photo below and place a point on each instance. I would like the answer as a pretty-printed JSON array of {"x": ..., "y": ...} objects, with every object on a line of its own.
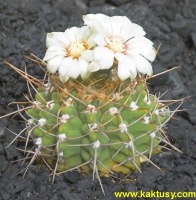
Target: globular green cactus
[
  {"x": 100, "y": 125},
  {"x": 109, "y": 127}
]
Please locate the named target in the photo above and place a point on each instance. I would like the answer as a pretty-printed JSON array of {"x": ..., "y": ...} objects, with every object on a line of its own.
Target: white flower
[
  {"x": 69, "y": 52},
  {"x": 120, "y": 39}
]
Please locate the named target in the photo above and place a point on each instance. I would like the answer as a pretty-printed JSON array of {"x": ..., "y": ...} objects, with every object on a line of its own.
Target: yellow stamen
[
  {"x": 76, "y": 49},
  {"x": 116, "y": 45}
]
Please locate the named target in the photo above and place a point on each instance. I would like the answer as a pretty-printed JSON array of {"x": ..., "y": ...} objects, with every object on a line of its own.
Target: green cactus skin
[{"x": 104, "y": 128}]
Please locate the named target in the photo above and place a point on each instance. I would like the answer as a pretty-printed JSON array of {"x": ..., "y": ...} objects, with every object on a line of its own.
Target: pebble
[
  {"x": 4, "y": 195},
  {"x": 85, "y": 184},
  {"x": 119, "y": 2},
  {"x": 167, "y": 54},
  {"x": 71, "y": 177},
  {"x": 186, "y": 169},
  {"x": 2, "y": 149},
  {"x": 96, "y": 2},
  {"x": 10, "y": 152},
  {"x": 193, "y": 37},
  {"x": 4, "y": 163},
  {"x": 148, "y": 177},
  {"x": 161, "y": 79},
  {"x": 23, "y": 28},
  {"x": 179, "y": 185},
  {"x": 163, "y": 27},
  {"x": 179, "y": 25},
  {"x": 178, "y": 87}
]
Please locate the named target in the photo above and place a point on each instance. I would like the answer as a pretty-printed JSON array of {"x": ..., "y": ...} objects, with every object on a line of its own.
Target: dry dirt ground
[{"x": 23, "y": 28}]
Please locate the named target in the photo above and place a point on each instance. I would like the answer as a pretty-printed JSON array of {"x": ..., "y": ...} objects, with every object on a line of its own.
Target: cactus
[
  {"x": 100, "y": 125},
  {"x": 102, "y": 122}
]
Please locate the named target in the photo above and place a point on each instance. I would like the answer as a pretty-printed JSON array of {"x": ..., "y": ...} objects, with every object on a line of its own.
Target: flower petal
[
  {"x": 117, "y": 23},
  {"x": 143, "y": 65},
  {"x": 53, "y": 51},
  {"x": 130, "y": 30},
  {"x": 56, "y": 39},
  {"x": 74, "y": 70},
  {"x": 94, "y": 66},
  {"x": 146, "y": 51},
  {"x": 91, "y": 40},
  {"x": 142, "y": 46},
  {"x": 72, "y": 34},
  {"x": 104, "y": 56},
  {"x": 100, "y": 40},
  {"x": 138, "y": 41},
  {"x": 123, "y": 73},
  {"x": 98, "y": 22},
  {"x": 83, "y": 64},
  {"x": 126, "y": 67},
  {"x": 87, "y": 55},
  {"x": 53, "y": 64},
  {"x": 65, "y": 65},
  {"x": 70, "y": 68}
]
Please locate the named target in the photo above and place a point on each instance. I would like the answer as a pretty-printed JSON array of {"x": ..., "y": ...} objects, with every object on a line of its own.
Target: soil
[{"x": 23, "y": 28}]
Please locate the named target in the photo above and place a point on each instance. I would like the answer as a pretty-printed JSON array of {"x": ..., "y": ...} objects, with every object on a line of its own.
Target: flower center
[
  {"x": 76, "y": 49},
  {"x": 116, "y": 45}
]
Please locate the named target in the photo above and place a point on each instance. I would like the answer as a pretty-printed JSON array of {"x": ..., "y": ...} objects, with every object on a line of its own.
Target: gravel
[{"x": 23, "y": 28}]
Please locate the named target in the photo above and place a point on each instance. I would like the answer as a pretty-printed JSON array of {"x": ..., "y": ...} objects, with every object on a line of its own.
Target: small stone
[
  {"x": 84, "y": 184},
  {"x": 41, "y": 189},
  {"x": 4, "y": 195},
  {"x": 179, "y": 25},
  {"x": 96, "y": 2},
  {"x": 4, "y": 163},
  {"x": 193, "y": 37},
  {"x": 47, "y": 9},
  {"x": 186, "y": 169},
  {"x": 178, "y": 87},
  {"x": 148, "y": 177},
  {"x": 187, "y": 12},
  {"x": 21, "y": 90},
  {"x": 159, "y": 80},
  {"x": 163, "y": 27},
  {"x": 118, "y": 2},
  {"x": 72, "y": 177},
  {"x": 2, "y": 149},
  {"x": 67, "y": 194},
  {"x": 2, "y": 131},
  {"x": 192, "y": 117},
  {"x": 11, "y": 152},
  {"x": 21, "y": 185},
  {"x": 179, "y": 184},
  {"x": 167, "y": 54}
]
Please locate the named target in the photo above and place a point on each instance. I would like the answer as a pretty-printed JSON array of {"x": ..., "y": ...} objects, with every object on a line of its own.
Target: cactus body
[{"x": 112, "y": 127}]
